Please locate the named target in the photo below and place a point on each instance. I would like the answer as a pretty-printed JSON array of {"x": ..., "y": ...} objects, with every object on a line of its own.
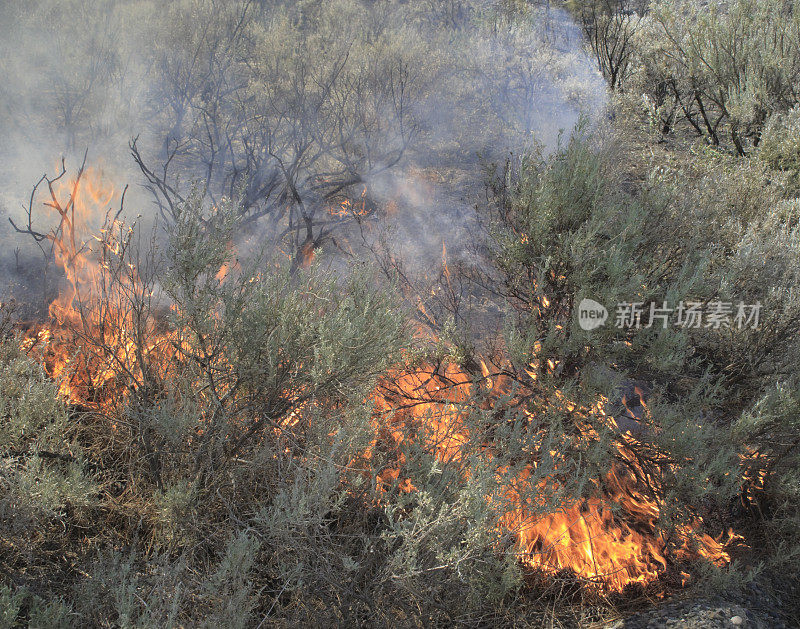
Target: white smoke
[{"x": 89, "y": 75}]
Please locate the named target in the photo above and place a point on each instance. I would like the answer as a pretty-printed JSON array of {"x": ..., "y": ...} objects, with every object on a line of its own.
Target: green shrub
[
  {"x": 722, "y": 69},
  {"x": 780, "y": 144},
  {"x": 709, "y": 229},
  {"x": 44, "y": 478},
  {"x": 10, "y": 605},
  {"x": 14, "y": 605}
]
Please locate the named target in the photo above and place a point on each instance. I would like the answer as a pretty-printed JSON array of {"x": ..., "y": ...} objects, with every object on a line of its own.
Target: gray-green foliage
[
  {"x": 268, "y": 342},
  {"x": 712, "y": 228},
  {"x": 780, "y": 144},
  {"x": 43, "y": 471},
  {"x": 40, "y": 612},
  {"x": 33, "y": 415},
  {"x": 720, "y": 69},
  {"x": 723, "y": 69},
  {"x": 122, "y": 589},
  {"x": 44, "y": 481},
  {"x": 10, "y": 604}
]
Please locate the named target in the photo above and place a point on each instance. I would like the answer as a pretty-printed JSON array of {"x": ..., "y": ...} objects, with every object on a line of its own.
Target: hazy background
[{"x": 297, "y": 106}]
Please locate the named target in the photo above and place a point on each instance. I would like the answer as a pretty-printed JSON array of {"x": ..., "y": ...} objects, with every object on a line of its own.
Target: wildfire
[
  {"x": 348, "y": 207},
  {"x": 94, "y": 333},
  {"x": 610, "y": 538}
]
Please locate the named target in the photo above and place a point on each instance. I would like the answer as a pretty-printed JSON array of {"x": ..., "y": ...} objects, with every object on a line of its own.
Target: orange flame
[
  {"x": 91, "y": 337},
  {"x": 610, "y": 539}
]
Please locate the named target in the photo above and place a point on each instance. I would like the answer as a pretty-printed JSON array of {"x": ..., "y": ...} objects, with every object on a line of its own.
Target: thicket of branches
[
  {"x": 231, "y": 483},
  {"x": 233, "y": 470},
  {"x": 724, "y": 71},
  {"x": 291, "y": 107}
]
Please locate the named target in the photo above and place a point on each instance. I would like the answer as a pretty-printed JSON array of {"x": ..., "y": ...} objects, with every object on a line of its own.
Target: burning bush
[
  {"x": 200, "y": 432},
  {"x": 256, "y": 423},
  {"x": 562, "y": 229}
]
